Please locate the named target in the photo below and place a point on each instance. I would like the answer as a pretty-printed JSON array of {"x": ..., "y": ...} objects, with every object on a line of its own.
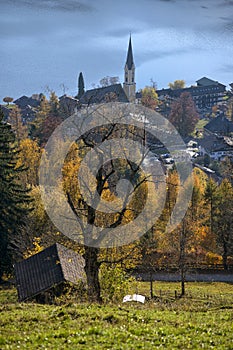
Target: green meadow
[{"x": 203, "y": 319}]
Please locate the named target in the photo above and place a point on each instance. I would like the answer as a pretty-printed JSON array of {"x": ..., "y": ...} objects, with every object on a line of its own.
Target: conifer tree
[
  {"x": 81, "y": 88},
  {"x": 14, "y": 199}
]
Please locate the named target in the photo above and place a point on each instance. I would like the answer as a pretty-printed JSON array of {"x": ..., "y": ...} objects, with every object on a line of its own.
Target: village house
[
  {"x": 217, "y": 147},
  {"x": 220, "y": 125}
]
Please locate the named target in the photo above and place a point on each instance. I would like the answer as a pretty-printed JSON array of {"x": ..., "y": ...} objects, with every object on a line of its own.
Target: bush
[{"x": 115, "y": 283}]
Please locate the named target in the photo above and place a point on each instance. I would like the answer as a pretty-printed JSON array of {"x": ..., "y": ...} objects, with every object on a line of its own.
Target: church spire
[
  {"x": 129, "y": 83},
  {"x": 129, "y": 61}
]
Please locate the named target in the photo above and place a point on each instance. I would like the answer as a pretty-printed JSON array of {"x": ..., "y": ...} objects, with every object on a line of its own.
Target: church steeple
[
  {"x": 129, "y": 61},
  {"x": 129, "y": 83}
]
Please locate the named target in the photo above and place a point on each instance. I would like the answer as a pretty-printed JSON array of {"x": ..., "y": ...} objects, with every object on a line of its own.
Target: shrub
[{"x": 115, "y": 283}]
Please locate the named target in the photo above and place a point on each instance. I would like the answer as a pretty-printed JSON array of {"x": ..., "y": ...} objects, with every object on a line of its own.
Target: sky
[{"x": 44, "y": 44}]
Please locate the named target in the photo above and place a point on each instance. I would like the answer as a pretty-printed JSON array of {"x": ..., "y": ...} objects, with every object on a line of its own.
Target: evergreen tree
[
  {"x": 14, "y": 200},
  {"x": 81, "y": 88}
]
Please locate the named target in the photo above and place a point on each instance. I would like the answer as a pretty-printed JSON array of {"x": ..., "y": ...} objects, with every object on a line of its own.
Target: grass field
[
  {"x": 201, "y": 320},
  {"x": 201, "y": 123}
]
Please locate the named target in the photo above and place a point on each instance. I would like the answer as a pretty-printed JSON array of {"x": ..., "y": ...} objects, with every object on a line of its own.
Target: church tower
[{"x": 129, "y": 83}]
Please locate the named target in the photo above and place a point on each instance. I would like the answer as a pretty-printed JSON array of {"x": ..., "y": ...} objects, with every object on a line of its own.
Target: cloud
[
  {"x": 18, "y": 28},
  {"x": 60, "y": 5},
  {"x": 229, "y": 26},
  {"x": 33, "y": 20},
  {"x": 122, "y": 32},
  {"x": 62, "y": 37},
  {"x": 159, "y": 54},
  {"x": 225, "y": 18},
  {"x": 226, "y": 68},
  {"x": 226, "y": 3}
]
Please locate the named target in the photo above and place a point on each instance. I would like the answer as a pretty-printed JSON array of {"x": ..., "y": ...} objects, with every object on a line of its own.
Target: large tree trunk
[
  {"x": 92, "y": 264},
  {"x": 92, "y": 273},
  {"x": 182, "y": 273}
]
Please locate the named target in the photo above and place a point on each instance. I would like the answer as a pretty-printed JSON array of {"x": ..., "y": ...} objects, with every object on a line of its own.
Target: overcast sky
[{"x": 48, "y": 42}]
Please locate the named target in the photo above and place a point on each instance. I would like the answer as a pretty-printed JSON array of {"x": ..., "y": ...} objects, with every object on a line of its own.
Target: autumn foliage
[{"x": 183, "y": 114}]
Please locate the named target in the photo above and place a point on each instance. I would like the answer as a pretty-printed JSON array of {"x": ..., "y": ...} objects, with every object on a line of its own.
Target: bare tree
[{"x": 107, "y": 81}]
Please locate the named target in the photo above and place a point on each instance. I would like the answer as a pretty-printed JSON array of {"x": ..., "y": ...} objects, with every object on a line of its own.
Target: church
[
  {"x": 115, "y": 92},
  {"x": 206, "y": 94}
]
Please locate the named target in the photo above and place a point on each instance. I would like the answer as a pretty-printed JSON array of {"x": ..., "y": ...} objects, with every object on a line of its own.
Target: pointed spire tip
[{"x": 129, "y": 61}]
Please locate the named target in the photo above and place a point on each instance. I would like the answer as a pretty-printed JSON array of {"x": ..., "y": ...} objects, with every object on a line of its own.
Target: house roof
[
  {"x": 68, "y": 98},
  {"x": 220, "y": 125},
  {"x": 24, "y": 101},
  {"x": 209, "y": 172},
  {"x": 46, "y": 269},
  {"x": 206, "y": 82},
  {"x": 214, "y": 143},
  {"x": 104, "y": 94}
]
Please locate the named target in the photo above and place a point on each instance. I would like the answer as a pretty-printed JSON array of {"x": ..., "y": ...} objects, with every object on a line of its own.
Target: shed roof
[{"x": 44, "y": 270}]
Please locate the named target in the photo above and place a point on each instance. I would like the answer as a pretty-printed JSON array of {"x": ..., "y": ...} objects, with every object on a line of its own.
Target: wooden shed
[{"x": 47, "y": 269}]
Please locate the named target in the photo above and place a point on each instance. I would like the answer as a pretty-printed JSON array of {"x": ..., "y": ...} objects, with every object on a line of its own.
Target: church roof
[
  {"x": 109, "y": 93},
  {"x": 129, "y": 61}
]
